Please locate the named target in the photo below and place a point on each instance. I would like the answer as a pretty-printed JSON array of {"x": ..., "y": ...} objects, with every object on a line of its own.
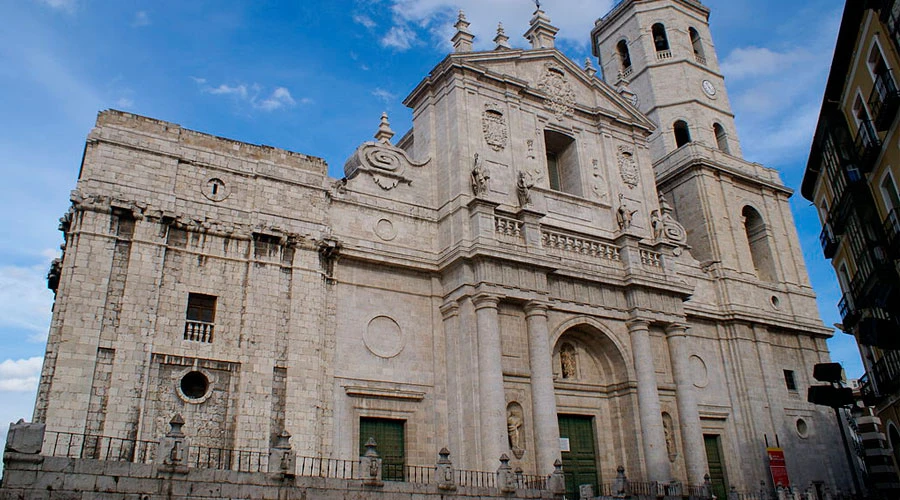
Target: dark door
[
  {"x": 389, "y": 437},
  {"x": 580, "y": 462},
  {"x": 717, "y": 473}
]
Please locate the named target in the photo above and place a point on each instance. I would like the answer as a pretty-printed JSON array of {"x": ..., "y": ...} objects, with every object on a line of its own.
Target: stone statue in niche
[
  {"x": 670, "y": 436},
  {"x": 524, "y": 183},
  {"x": 481, "y": 177},
  {"x": 515, "y": 420},
  {"x": 624, "y": 214},
  {"x": 657, "y": 224},
  {"x": 567, "y": 361}
]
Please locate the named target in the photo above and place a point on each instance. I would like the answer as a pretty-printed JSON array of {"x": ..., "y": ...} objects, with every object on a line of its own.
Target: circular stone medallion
[
  {"x": 383, "y": 337},
  {"x": 700, "y": 373},
  {"x": 385, "y": 229}
]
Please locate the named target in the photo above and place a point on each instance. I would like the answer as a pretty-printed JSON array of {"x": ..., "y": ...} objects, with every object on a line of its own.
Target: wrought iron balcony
[
  {"x": 849, "y": 313},
  {"x": 828, "y": 240},
  {"x": 884, "y": 100},
  {"x": 885, "y": 375},
  {"x": 868, "y": 145},
  {"x": 875, "y": 283},
  {"x": 881, "y": 329},
  {"x": 892, "y": 232},
  {"x": 848, "y": 201},
  {"x": 890, "y": 19}
]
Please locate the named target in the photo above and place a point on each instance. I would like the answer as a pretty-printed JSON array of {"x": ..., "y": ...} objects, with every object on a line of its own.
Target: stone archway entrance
[{"x": 595, "y": 407}]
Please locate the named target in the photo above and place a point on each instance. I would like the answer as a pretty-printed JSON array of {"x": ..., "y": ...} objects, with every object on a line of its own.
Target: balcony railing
[
  {"x": 884, "y": 100},
  {"x": 892, "y": 231},
  {"x": 849, "y": 313},
  {"x": 847, "y": 202},
  {"x": 198, "y": 331},
  {"x": 886, "y": 373},
  {"x": 892, "y": 20},
  {"x": 875, "y": 283},
  {"x": 828, "y": 240},
  {"x": 700, "y": 59},
  {"x": 663, "y": 54},
  {"x": 879, "y": 328},
  {"x": 868, "y": 145}
]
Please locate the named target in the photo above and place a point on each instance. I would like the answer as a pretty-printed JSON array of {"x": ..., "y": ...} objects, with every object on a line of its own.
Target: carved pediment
[{"x": 386, "y": 164}]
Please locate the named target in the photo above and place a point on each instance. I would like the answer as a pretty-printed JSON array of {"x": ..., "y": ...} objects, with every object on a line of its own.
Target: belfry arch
[{"x": 594, "y": 389}]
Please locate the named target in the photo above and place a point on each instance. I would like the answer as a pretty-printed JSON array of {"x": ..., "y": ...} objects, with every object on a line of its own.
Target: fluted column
[
  {"x": 652, "y": 433},
  {"x": 686, "y": 399},
  {"x": 490, "y": 381},
  {"x": 543, "y": 397}
]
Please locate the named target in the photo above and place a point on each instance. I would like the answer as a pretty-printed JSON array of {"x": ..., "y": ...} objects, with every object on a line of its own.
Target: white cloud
[
  {"x": 66, "y": 5},
  {"x": 751, "y": 61},
  {"x": 364, "y": 20},
  {"x": 253, "y": 95},
  {"x": 384, "y": 95},
  {"x": 124, "y": 103},
  {"x": 20, "y": 375},
  {"x": 141, "y": 18},
  {"x": 281, "y": 97},
  {"x": 25, "y": 301},
  {"x": 399, "y": 37}
]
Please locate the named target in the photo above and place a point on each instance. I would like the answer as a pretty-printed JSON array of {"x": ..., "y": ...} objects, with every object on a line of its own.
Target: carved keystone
[
  {"x": 443, "y": 474},
  {"x": 506, "y": 478},
  {"x": 370, "y": 465}
]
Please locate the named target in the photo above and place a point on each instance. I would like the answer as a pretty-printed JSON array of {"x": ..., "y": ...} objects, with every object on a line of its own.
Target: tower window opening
[
  {"x": 562, "y": 163},
  {"x": 660, "y": 40},
  {"x": 697, "y": 45},
  {"x": 757, "y": 239},
  {"x": 721, "y": 138},
  {"x": 624, "y": 56},
  {"x": 682, "y": 133}
]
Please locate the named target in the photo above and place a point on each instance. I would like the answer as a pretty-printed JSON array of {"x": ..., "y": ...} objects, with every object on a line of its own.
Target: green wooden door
[
  {"x": 717, "y": 473},
  {"x": 580, "y": 462},
  {"x": 388, "y": 435}
]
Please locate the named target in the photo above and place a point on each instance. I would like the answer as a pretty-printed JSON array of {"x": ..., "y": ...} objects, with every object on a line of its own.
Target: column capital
[
  {"x": 637, "y": 325},
  {"x": 449, "y": 309},
  {"x": 535, "y": 308},
  {"x": 676, "y": 329},
  {"x": 483, "y": 300}
]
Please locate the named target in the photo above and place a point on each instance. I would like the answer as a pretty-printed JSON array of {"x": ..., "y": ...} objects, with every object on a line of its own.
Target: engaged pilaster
[
  {"x": 543, "y": 397},
  {"x": 652, "y": 433},
  {"x": 490, "y": 378},
  {"x": 688, "y": 415}
]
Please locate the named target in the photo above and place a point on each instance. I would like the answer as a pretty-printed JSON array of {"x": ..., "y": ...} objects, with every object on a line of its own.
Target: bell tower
[{"x": 660, "y": 54}]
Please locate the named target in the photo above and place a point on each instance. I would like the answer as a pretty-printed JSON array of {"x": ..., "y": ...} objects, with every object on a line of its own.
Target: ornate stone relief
[
  {"x": 560, "y": 96},
  {"x": 493, "y": 125},
  {"x": 568, "y": 361},
  {"x": 665, "y": 226},
  {"x": 598, "y": 185},
  {"x": 384, "y": 162},
  {"x": 628, "y": 166},
  {"x": 515, "y": 422},
  {"x": 624, "y": 214}
]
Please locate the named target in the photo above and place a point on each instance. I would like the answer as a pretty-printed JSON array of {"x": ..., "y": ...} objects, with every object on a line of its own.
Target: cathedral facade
[{"x": 548, "y": 265}]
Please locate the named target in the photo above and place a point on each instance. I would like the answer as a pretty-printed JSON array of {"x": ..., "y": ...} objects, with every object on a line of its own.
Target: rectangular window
[
  {"x": 789, "y": 380},
  {"x": 553, "y": 170},
  {"x": 562, "y": 163},
  {"x": 200, "y": 317}
]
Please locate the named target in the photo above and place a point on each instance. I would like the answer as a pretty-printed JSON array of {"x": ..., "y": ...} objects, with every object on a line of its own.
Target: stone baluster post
[
  {"x": 652, "y": 433},
  {"x": 281, "y": 456},
  {"x": 370, "y": 465},
  {"x": 443, "y": 474},
  {"x": 490, "y": 379},
  {"x": 543, "y": 396},
  {"x": 506, "y": 478},
  {"x": 620, "y": 485},
  {"x": 173, "y": 447},
  {"x": 556, "y": 483},
  {"x": 686, "y": 400}
]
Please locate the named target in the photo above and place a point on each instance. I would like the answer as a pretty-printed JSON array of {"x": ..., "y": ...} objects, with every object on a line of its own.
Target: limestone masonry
[{"x": 548, "y": 265}]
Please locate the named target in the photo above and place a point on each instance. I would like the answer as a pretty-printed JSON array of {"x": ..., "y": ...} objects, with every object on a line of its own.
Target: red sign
[{"x": 777, "y": 467}]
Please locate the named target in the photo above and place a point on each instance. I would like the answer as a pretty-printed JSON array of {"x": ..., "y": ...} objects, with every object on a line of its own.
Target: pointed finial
[
  {"x": 541, "y": 33},
  {"x": 589, "y": 67},
  {"x": 384, "y": 133},
  {"x": 501, "y": 39},
  {"x": 462, "y": 40}
]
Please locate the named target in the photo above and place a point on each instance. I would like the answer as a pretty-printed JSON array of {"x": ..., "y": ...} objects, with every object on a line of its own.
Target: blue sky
[{"x": 313, "y": 77}]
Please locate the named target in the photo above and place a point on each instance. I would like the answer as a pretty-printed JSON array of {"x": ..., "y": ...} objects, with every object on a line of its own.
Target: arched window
[
  {"x": 721, "y": 138},
  {"x": 682, "y": 133},
  {"x": 660, "y": 40},
  {"x": 757, "y": 238},
  {"x": 624, "y": 56},
  {"x": 698, "y": 47}
]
